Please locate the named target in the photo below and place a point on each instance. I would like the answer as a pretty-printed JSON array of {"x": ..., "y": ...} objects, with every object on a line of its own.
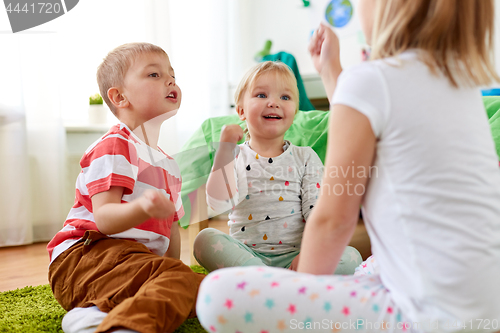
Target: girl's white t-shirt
[{"x": 432, "y": 206}]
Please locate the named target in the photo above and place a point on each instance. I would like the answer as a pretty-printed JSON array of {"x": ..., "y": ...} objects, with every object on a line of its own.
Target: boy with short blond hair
[{"x": 115, "y": 264}]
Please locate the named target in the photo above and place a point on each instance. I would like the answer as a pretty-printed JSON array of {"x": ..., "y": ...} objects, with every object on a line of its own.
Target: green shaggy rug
[{"x": 34, "y": 309}]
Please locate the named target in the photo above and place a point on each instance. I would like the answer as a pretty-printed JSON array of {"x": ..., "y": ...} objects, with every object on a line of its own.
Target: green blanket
[
  {"x": 492, "y": 105},
  {"x": 196, "y": 157},
  {"x": 308, "y": 129}
]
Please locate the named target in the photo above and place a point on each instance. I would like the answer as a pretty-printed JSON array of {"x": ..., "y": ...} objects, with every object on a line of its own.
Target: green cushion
[
  {"x": 308, "y": 129},
  {"x": 492, "y": 105}
]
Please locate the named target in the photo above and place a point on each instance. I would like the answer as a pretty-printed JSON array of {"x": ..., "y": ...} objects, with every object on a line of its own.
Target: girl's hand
[
  {"x": 231, "y": 133},
  {"x": 325, "y": 50},
  {"x": 156, "y": 204}
]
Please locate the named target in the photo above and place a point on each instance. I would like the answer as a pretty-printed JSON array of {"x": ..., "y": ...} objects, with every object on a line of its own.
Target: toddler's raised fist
[{"x": 231, "y": 133}]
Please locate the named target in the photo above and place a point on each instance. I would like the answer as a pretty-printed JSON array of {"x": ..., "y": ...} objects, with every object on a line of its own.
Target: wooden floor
[
  {"x": 22, "y": 266},
  {"x": 27, "y": 265}
]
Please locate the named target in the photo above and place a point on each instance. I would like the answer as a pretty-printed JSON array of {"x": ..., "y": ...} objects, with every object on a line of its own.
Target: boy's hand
[
  {"x": 231, "y": 133},
  {"x": 156, "y": 204}
]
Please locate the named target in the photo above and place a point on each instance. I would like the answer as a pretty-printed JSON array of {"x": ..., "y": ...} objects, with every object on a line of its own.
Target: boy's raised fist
[{"x": 156, "y": 204}]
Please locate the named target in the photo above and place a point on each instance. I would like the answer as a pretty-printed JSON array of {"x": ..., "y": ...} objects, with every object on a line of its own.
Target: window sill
[{"x": 86, "y": 128}]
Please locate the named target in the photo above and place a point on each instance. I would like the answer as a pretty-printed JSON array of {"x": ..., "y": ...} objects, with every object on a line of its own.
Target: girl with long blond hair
[{"x": 413, "y": 113}]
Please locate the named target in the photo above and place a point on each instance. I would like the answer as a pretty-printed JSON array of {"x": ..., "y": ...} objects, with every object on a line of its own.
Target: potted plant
[{"x": 97, "y": 111}]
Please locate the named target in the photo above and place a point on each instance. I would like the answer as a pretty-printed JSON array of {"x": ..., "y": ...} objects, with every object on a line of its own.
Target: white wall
[
  {"x": 288, "y": 24},
  {"x": 198, "y": 54}
]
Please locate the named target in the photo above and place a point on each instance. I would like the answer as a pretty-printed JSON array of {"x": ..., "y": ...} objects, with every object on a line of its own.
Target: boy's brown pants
[{"x": 146, "y": 292}]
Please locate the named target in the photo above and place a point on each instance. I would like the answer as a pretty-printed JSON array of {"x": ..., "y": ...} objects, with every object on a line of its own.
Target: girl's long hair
[{"x": 457, "y": 36}]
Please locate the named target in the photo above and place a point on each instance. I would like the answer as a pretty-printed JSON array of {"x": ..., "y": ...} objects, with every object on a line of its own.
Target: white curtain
[
  {"x": 14, "y": 174},
  {"x": 199, "y": 54},
  {"x": 46, "y": 76},
  {"x": 31, "y": 146}
]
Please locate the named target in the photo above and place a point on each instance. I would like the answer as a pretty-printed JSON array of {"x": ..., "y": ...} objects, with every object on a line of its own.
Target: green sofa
[{"x": 309, "y": 129}]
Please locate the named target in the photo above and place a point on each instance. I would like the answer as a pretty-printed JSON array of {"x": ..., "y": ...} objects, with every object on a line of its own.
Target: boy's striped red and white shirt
[{"x": 120, "y": 158}]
